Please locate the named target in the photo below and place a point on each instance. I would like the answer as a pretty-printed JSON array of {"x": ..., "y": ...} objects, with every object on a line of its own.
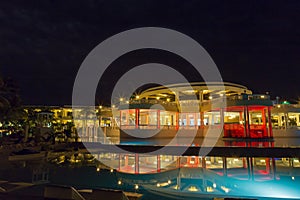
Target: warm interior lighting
[
  {"x": 137, "y": 97},
  {"x": 209, "y": 189},
  {"x": 121, "y": 99},
  {"x": 136, "y": 187},
  {"x": 119, "y": 182},
  {"x": 157, "y": 98},
  {"x": 111, "y": 170},
  {"x": 168, "y": 100},
  {"x": 193, "y": 189}
]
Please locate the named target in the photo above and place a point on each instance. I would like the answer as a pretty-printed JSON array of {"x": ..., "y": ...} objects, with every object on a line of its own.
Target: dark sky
[{"x": 253, "y": 43}]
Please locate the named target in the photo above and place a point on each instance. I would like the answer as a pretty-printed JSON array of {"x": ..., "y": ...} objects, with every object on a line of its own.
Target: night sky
[{"x": 253, "y": 43}]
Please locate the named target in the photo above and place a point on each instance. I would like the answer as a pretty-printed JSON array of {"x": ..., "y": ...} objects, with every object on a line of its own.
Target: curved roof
[{"x": 211, "y": 88}]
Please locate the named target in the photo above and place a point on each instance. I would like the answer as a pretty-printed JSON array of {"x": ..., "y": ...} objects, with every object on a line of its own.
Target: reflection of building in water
[{"x": 203, "y": 174}]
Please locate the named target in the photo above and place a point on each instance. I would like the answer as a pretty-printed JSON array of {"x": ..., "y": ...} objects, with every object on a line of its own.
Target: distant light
[
  {"x": 285, "y": 102},
  {"x": 210, "y": 97},
  {"x": 113, "y": 106},
  {"x": 119, "y": 182},
  {"x": 157, "y": 185},
  {"x": 157, "y": 98},
  {"x": 111, "y": 170},
  {"x": 136, "y": 187},
  {"x": 214, "y": 185},
  {"x": 98, "y": 169},
  {"x": 137, "y": 97},
  {"x": 221, "y": 95},
  {"x": 127, "y": 101},
  {"x": 293, "y": 178},
  {"x": 100, "y": 107},
  {"x": 278, "y": 106},
  {"x": 168, "y": 99},
  {"x": 262, "y": 96},
  {"x": 121, "y": 99},
  {"x": 169, "y": 181}
]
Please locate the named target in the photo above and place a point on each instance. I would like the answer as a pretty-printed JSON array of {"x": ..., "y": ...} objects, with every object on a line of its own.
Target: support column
[
  {"x": 119, "y": 167},
  {"x": 126, "y": 161},
  {"x": 222, "y": 118},
  {"x": 177, "y": 121},
  {"x": 202, "y": 119},
  {"x": 270, "y": 122},
  {"x": 120, "y": 125},
  {"x": 246, "y": 122},
  {"x": 158, "y": 163},
  {"x": 158, "y": 119},
  {"x": 286, "y": 117},
  {"x": 264, "y": 121},
  {"x": 136, "y": 166},
  {"x": 137, "y": 116},
  {"x": 203, "y": 162}
]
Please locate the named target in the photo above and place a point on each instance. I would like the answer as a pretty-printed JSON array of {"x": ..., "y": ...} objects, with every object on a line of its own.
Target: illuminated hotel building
[{"x": 197, "y": 106}]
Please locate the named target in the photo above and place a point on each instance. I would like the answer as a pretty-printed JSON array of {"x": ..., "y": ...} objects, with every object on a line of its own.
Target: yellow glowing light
[
  {"x": 210, "y": 97},
  {"x": 209, "y": 189},
  {"x": 127, "y": 101},
  {"x": 221, "y": 95},
  {"x": 111, "y": 170},
  {"x": 113, "y": 106},
  {"x": 137, "y": 97},
  {"x": 169, "y": 181},
  {"x": 168, "y": 100},
  {"x": 157, "y": 98},
  {"x": 193, "y": 189},
  {"x": 100, "y": 107},
  {"x": 157, "y": 185},
  {"x": 119, "y": 182},
  {"x": 121, "y": 99},
  {"x": 226, "y": 190},
  {"x": 136, "y": 187},
  {"x": 98, "y": 169}
]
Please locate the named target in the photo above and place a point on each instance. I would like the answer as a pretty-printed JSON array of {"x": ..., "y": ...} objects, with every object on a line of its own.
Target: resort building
[
  {"x": 183, "y": 110},
  {"x": 197, "y": 106}
]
